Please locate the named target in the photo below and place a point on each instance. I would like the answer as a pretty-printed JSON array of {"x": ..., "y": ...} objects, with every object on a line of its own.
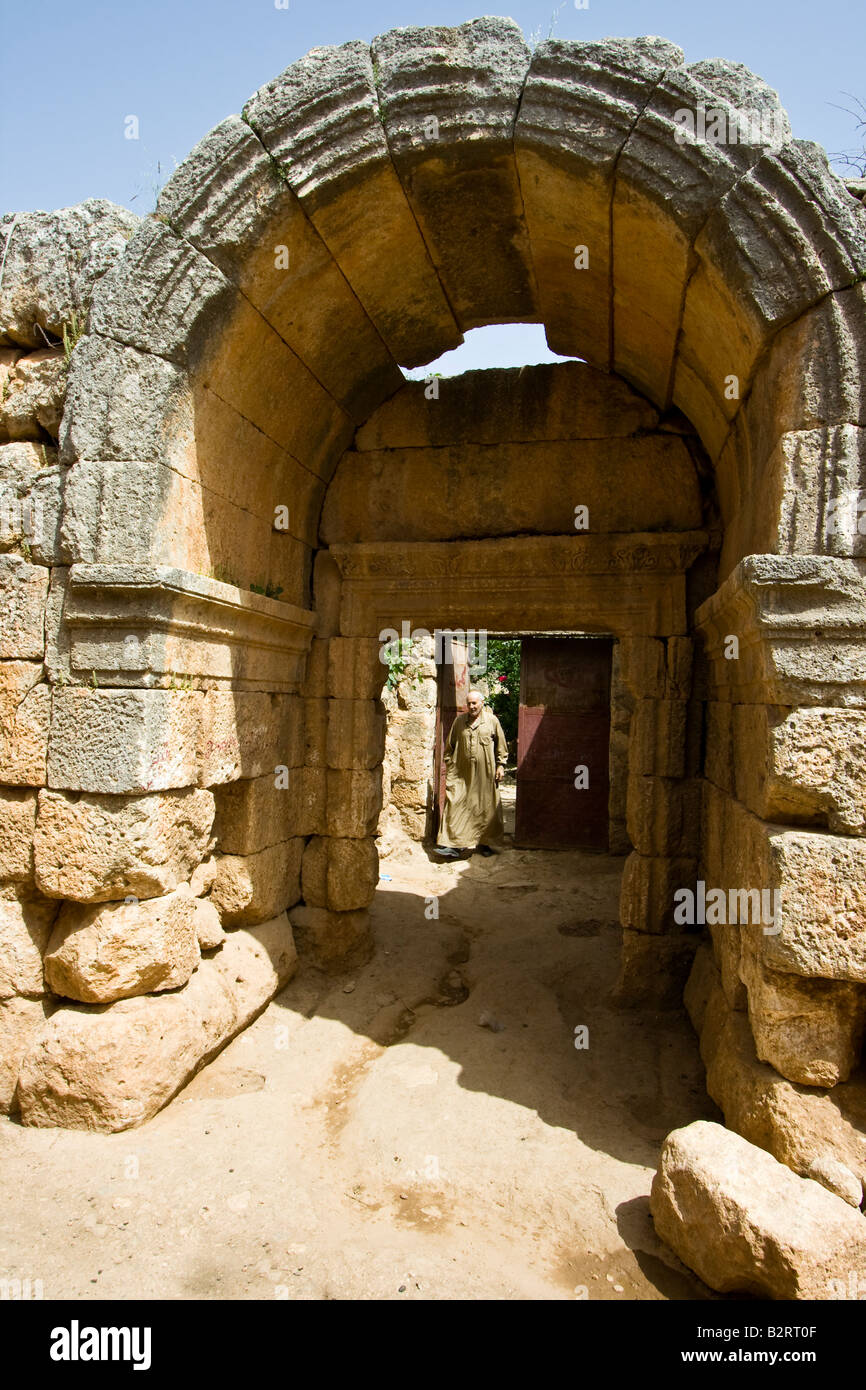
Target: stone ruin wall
[{"x": 142, "y": 736}]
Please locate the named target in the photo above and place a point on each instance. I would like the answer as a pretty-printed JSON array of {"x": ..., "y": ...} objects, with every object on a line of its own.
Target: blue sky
[{"x": 71, "y": 73}]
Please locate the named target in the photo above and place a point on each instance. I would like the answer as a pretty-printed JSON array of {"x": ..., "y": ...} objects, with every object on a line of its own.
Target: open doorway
[{"x": 552, "y": 695}]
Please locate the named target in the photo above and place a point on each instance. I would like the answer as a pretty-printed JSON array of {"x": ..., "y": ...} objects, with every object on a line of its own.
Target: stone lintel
[{"x": 133, "y": 623}]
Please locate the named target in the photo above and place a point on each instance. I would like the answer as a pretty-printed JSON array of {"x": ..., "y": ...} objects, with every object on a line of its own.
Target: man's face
[{"x": 473, "y": 704}]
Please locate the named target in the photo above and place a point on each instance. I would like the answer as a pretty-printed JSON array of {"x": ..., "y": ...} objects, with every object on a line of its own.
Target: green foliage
[
  {"x": 503, "y": 678},
  {"x": 74, "y": 329},
  {"x": 397, "y": 657},
  {"x": 269, "y": 590}
]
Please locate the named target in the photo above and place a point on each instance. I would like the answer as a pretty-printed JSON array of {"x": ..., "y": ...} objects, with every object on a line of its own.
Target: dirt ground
[{"x": 425, "y": 1128}]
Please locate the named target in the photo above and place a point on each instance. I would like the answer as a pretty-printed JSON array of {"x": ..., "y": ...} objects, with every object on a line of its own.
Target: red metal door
[
  {"x": 563, "y": 725},
  {"x": 454, "y": 686}
]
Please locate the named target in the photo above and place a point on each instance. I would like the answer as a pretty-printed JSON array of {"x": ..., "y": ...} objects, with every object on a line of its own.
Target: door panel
[{"x": 563, "y": 723}]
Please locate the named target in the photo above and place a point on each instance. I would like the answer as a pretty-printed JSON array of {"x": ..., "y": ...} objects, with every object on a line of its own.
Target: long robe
[{"x": 473, "y": 807}]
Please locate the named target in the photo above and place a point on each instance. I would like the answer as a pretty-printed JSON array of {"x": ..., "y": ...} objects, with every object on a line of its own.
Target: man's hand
[{"x": 499, "y": 774}]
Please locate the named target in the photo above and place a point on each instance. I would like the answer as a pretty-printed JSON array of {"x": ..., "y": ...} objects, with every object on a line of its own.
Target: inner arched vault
[{"x": 254, "y": 493}]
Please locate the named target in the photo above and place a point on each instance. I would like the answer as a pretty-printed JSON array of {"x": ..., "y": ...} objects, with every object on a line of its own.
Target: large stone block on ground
[
  {"x": 123, "y": 741},
  {"x": 333, "y": 941},
  {"x": 25, "y": 928},
  {"x": 255, "y": 887},
  {"x": 339, "y": 874},
  {"x": 111, "y": 1067},
  {"x": 745, "y": 1223},
  {"x": 20, "y": 1022},
  {"x": 118, "y": 950},
  {"x": 23, "y": 594},
  {"x": 98, "y": 848},
  {"x": 252, "y": 814},
  {"x": 17, "y": 823}
]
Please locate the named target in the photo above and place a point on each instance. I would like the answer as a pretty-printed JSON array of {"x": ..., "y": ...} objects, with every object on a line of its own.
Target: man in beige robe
[{"x": 475, "y": 757}]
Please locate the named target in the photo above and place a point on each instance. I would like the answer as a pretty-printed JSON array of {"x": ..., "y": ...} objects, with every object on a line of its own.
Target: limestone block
[
  {"x": 664, "y": 815},
  {"x": 249, "y": 733},
  {"x": 353, "y": 804},
  {"x": 648, "y": 887},
  {"x": 645, "y": 483},
  {"x": 121, "y": 405},
  {"x": 306, "y": 803},
  {"x": 202, "y": 878},
  {"x": 57, "y": 643},
  {"x": 95, "y": 848},
  {"x": 123, "y": 741},
  {"x": 23, "y": 593},
  {"x": 678, "y": 667},
  {"x": 34, "y": 394},
  {"x": 728, "y": 944},
  {"x": 20, "y": 1022},
  {"x": 118, "y": 950},
  {"x": 25, "y": 715},
  {"x": 252, "y": 814},
  {"x": 17, "y": 823},
  {"x": 31, "y": 500},
  {"x": 52, "y": 263},
  {"x": 796, "y": 1124},
  {"x": 340, "y": 875},
  {"x": 25, "y": 927},
  {"x": 355, "y": 668},
  {"x": 802, "y": 765},
  {"x": 316, "y": 678},
  {"x": 208, "y": 928},
  {"x": 658, "y": 738},
  {"x": 356, "y": 733},
  {"x": 833, "y": 1175},
  {"x": 316, "y": 732},
  {"x": 255, "y": 887},
  {"x": 642, "y": 666},
  {"x": 111, "y": 1068},
  {"x": 333, "y": 941},
  {"x": 809, "y": 1030},
  {"x": 744, "y": 1222},
  {"x": 653, "y": 970},
  {"x": 719, "y": 754}
]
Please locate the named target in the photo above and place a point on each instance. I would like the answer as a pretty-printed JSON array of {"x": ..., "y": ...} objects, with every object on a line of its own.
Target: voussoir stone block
[
  {"x": 744, "y": 1222},
  {"x": 95, "y": 848},
  {"x": 123, "y": 741},
  {"x": 340, "y": 875},
  {"x": 111, "y": 1068},
  {"x": 252, "y": 888},
  {"x": 117, "y": 950}
]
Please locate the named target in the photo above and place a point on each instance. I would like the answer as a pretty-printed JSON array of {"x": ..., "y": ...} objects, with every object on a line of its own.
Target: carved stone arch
[{"x": 369, "y": 206}]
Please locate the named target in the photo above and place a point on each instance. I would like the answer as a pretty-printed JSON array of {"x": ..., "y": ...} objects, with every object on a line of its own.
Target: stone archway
[{"x": 354, "y": 220}]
